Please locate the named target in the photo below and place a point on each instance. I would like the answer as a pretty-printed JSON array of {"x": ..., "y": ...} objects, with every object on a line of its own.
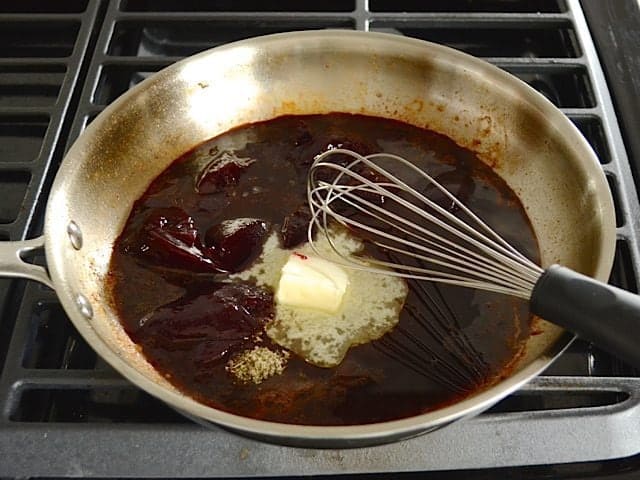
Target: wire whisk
[{"x": 382, "y": 198}]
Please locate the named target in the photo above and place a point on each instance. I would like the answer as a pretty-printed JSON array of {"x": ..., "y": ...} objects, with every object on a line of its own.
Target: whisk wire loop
[
  {"x": 440, "y": 246},
  {"x": 416, "y": 227},
  {"x": 448, "y": 253}
]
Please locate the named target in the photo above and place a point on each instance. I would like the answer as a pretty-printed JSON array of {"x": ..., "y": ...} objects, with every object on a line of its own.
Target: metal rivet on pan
[
  {"x": 75, "y": 235},
  {"x": 84, "y": 306}
]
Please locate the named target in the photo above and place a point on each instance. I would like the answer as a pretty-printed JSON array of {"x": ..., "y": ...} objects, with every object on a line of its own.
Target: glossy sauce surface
[{"x": 170, "y": 266}]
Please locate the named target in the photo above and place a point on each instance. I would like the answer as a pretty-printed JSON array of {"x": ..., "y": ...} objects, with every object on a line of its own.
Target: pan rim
[{"x": 351, "y": 435}]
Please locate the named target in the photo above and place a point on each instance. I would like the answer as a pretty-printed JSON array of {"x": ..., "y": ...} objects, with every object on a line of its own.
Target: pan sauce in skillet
[{"x": 189, "y": 321}]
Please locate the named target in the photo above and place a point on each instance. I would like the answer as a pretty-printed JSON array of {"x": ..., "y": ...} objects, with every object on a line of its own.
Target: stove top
[{"x": 64, "y": 412}]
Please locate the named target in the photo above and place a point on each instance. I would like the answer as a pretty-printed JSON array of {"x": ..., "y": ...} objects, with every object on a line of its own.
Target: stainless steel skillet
[{"x": 530, "y": 143}]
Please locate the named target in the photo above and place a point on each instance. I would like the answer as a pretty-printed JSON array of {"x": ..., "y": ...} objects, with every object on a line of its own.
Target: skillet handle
[
  {"x": 606, "y": 315},
  {"x": 12, "y": 265}
]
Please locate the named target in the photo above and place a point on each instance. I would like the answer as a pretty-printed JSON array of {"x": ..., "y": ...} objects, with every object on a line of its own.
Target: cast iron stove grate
[{"x": 65, "y": 412}]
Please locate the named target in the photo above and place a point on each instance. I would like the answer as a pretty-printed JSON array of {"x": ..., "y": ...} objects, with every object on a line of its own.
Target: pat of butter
[{"x": 312, "y": 282}]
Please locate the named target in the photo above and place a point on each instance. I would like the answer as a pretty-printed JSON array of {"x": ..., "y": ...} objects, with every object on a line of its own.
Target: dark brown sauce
[{"x": 167, "y": 265}]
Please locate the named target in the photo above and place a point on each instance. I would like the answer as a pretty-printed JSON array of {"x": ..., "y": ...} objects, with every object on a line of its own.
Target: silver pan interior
[{"x": 528, "y": 142}]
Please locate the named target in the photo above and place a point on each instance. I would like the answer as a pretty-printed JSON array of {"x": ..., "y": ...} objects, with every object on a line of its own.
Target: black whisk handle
[{"x": 606, "y": 315}]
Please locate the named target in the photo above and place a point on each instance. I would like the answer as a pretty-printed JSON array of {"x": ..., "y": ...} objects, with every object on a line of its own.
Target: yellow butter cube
[{"x": 312, "y": 282}]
